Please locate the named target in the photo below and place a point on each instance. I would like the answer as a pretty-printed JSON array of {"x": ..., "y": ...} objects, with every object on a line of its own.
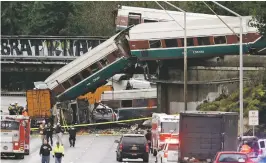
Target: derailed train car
[{"x": 90, "y": 71}]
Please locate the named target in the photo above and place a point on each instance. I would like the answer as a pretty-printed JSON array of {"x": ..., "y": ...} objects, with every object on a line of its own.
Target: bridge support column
[{"x": 204, "y": 84}]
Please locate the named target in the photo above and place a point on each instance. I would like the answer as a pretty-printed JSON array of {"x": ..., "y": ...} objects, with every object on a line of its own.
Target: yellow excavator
[{"x": 96, "y": 96}]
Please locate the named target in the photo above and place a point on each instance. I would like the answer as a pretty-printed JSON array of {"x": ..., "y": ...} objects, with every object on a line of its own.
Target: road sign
[{"x": 253, "y": 117}]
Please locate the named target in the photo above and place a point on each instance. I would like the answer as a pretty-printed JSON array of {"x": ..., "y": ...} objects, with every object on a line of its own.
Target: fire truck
[
  {"x": 15, "y": 135},
  {"x": 163, "y": 127}
]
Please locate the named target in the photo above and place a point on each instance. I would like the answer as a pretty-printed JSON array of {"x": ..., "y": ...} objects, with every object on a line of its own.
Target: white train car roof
[
  {"x": 129, "y": 94},
  {"x": 82, "y": 62},
  {"x": 203, "y": 27},
  {"x": 155, "y": 14}
]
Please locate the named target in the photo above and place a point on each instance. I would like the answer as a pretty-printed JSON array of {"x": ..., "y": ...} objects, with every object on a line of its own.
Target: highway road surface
[{"x": 88, "y": 149}]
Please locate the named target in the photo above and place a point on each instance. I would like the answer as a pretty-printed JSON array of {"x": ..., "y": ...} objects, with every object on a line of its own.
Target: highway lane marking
[{"x": 85, "y": 149}]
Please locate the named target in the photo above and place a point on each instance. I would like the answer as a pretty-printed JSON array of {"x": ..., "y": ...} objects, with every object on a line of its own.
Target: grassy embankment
[{"x": 254, "y": 99}]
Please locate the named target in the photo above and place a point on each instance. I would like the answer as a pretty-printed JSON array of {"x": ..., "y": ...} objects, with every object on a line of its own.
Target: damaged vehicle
[{"x": 103, "y": 113}]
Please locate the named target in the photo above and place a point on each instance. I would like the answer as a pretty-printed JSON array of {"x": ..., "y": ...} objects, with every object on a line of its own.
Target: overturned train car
[{"x": 90, "y": 71}]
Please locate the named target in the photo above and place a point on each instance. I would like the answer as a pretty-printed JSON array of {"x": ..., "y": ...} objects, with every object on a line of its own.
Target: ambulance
[
  {"x": 15, "y": 135},
  {"x": 163, "y": 127}
]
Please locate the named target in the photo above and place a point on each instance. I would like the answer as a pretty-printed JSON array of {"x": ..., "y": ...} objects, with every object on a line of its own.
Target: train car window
[
  {"x": 104, "y": 62},
  {"x": 204, "y": 41},
  {"x": 126, "y": 103},
  {"x": 171, "y": 43},
  {"x": 66, "y": 84},
  {"x": 155, "y": 43},
  {"x": 219, "y": 40},
  {"x": 116, "y": 55},
  {"x": 85, "y": 73},
  {"x": 94, "y": 67},
  {"x": 149, "y": 21},
  {"x": 76, "y": 79},
  {"x": 190, "y": 42},
  {"x": 134, "y": 19}
]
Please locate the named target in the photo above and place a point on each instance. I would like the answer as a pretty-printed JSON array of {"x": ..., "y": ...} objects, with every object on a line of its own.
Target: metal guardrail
[
  {"x": 37, "y": 59},
  {"x": 41, "y": 37},
  {"x": 4, "y": 93},
  {"x": 222, "y": 81}
]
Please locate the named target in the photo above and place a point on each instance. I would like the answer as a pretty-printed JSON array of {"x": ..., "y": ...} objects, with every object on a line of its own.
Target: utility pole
[
  {"x": 185, "y": 62},
  {"x": 185, "y": 53},
  {"x": 240, "y": 65}
]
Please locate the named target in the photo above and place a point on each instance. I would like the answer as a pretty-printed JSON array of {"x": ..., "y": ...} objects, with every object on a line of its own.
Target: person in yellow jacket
[{"x": 58, "y": 152}]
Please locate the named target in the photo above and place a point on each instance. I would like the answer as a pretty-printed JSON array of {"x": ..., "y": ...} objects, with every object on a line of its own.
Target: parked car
[
  {"x": 231, "y": 157},
  {"x": 169, "y": 152},
  {"x": 132, "y": 146}
]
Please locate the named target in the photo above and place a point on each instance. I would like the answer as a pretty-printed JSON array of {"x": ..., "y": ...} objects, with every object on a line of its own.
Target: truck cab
[
  {"x": 13, "y": 135},
  {"x": 163, "y": 127}
]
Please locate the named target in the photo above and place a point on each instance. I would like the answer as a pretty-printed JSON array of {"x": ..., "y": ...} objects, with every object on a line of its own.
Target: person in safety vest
[
  {"x": 58, "y": 152},
  {"x": 17, "y": 107},
  {"x": 245, "y": 148}
]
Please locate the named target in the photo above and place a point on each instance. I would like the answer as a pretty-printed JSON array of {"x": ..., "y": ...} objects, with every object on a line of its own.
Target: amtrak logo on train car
[
  {"x": 94, "y": 80},
  {"x": 195, "y": 51}
]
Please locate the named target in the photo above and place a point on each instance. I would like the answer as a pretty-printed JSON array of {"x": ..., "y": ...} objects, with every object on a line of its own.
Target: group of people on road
[
  {"x": 15, "y": 109},
  {"x": 46, "y": 132}
]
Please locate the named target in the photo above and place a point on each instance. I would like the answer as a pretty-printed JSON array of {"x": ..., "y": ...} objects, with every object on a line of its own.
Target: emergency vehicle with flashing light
[
  {"x": 169, "y": 152},
  {"x": 15, "y": 135},
  {"x": 163, "y": 127}
]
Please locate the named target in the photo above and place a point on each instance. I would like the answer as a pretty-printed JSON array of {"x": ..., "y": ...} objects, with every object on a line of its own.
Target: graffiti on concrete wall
[{"x": 47, "y": 47}]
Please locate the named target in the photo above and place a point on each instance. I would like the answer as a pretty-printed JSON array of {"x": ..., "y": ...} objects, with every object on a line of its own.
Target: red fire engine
[
  {"x": 15, "y": 135},
  {"x": 163, "y": 127}
]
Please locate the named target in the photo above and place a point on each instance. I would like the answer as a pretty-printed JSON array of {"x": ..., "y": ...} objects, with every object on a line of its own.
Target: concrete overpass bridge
[{"x": 25, "y": 59}]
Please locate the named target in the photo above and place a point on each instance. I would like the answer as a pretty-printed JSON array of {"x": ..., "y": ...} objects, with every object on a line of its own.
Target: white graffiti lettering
[{"x": 46, "y": 47}]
